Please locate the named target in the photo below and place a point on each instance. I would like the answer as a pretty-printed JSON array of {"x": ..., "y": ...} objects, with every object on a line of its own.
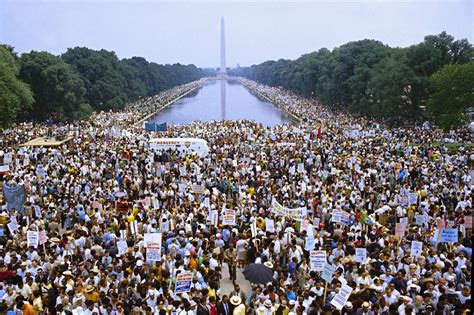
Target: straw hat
[
  {"x": 267, "y": 303},
  {"x": 89, "y": 288},
  {"x": 67, "y": 273},
  {"x": 268, "y": 264},
  {"x": 235, "y": 300}
]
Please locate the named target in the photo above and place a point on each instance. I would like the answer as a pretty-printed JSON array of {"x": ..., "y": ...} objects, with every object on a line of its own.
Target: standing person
[
  {"x": 231, "y": 258},
  {"x": 239, "y": 308},
  {"x": 224, "y": 307}
]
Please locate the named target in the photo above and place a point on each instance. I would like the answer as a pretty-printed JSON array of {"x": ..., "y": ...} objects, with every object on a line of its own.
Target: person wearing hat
[
  {"x": 239, "y": 308},
  {"x": 90, "y": 294},
  {"x": 266, "y": 308}
]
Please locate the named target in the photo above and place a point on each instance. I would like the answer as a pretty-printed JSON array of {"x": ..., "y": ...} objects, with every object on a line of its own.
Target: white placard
[{"x": 361, "y": 255}]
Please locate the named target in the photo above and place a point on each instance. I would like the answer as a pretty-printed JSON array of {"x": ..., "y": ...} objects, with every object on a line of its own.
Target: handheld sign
[
  {"x": 32, "y": 238},
  {"x": 448, "y": 235},
  {"x": 416, "y": 248},
  {"x": 328, "y": 271},
  {"x": 183, "y": 282},
  {"x": 341, "y": 298},
  {"x": 228, "y": 217},
  {"x": 400, "y": 230},
  {"x": 122, "y": 247},
  {"x": 269, "y": 225},
  {"x": 361, "y": 255},
  {"x": 153, "y": 254},
  {"x": 317, "y": 259}
]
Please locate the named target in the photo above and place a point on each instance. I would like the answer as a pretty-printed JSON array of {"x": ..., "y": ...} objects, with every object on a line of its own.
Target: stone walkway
[{"x": 226, "y": 283}]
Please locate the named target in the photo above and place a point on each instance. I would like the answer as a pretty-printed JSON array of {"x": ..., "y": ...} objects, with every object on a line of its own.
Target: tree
[
  {"x": 59, "y": 92},
  {"x": 452, "y": 94},
  {"x": 100, "y": 70},
  {"x": 14, "y": 94},
  {"x": 389, "y": 88}
]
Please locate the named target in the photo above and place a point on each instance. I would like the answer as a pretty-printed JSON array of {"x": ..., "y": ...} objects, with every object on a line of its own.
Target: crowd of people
[{"x": 95, "y": 200}]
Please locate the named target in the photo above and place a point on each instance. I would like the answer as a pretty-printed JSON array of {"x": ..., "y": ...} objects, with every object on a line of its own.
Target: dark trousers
[{"x": 232, "y": 272}]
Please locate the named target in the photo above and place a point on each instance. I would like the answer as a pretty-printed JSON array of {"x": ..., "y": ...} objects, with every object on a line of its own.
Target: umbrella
[{"x": 258, "y": 273}]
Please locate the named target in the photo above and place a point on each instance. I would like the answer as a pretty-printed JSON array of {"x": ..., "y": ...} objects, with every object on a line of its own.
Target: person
[
  {"x": 224, "y": 307},
  {"x": 239, "y": 308},
  {"x": 231, "y": 258}
]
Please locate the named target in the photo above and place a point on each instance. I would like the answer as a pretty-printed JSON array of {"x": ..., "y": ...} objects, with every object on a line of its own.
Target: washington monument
[{"x": 222, "y": 72}]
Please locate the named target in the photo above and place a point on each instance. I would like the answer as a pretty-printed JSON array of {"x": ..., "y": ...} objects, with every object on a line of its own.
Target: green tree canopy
[
  {"x": 59, "y": 92},
  {"x": 452, "y": 94},
  {"x": 15, "y": 96}
]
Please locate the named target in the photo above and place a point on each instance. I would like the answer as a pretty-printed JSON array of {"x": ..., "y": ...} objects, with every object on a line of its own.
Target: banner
[
  {"x": 341, "y": 298},
  {"x": 149, "y": 127},
  {"x": 14, "y": 196},
  {"x": 416, "y": 248},
  {"x": 297, "y": 214},
  {"x": 317, "y": 260},
  {"x": 183, "y": 282},
  {"x": 342, "y": 217},
  {"x": 361, "y": 255}
]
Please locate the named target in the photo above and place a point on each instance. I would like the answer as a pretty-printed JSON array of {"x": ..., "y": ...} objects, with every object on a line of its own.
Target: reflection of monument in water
[{"x": 222, "y": 71}]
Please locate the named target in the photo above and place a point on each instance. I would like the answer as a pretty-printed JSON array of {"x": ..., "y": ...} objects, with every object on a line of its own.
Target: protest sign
[
  {"x": 468, "y": 222},
  {"x": 400, "y": 230},
  {"x": 341, "y": 298},
  {"x": 183, "y": 282},
  {"x": 122, "y": 247},
  {"x": 14, "y": 196},
  {"x": 199, "y": 189},
  {"x": 153, "y": 253},
  {"x": 228, "y": 217},
  {"x": 42, "y": 237},
  {"x": 448, "y": 235},
  {"x": 361, "y": 255},
  {"x": 269, "y": 225},
  {"x": 253, "y": 229},
  {"x": 32, "y": 238},
  {"x": 152, "y": 240},
  {"x": 328, "y": 271},
  {"x": 416, "y": 248},
  {"x": 404, "y": 221},
  {"x": 317, "y": 259},
  {"x": 310, "y": 243},
  {"x": 412, "y": 198},
  {"x": 420, "y": 219}
]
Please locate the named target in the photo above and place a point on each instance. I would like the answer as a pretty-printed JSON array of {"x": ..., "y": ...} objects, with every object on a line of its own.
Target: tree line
[
  {"x": 40, "y": 86},
  {"x": 430, "y": 80}
]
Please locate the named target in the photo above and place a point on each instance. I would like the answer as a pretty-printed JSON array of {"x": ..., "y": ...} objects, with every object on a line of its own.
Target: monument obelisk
[{"x": 222, "y": 71}]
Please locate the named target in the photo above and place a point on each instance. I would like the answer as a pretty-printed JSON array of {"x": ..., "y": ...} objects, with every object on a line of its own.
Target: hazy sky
[{"x": 188, "y": 31}]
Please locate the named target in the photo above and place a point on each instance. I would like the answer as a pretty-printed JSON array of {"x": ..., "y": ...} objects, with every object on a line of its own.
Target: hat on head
[
  {"x": 366, "y": 305},
  {"x": 267, "y": 303},
  {"x": 235, "y": 300},
  {"x": 268, "y": 264},
  {"x": 67, "y": 273},
  {"x": 89, "y": 288},
  {"x": 139, "y": 263},
  {"x": 348, "y": 305}
]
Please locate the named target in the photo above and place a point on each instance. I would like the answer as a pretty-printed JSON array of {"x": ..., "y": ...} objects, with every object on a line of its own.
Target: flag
[{"x": 15, "y": 196}]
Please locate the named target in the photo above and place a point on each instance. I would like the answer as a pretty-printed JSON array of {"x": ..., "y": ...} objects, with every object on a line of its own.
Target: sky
[{"x": 166, "y": 31}]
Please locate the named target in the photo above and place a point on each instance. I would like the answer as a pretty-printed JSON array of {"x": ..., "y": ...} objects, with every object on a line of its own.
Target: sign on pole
[
  {"x": 328, "y": 271},
  {"x": 341, "y": 298},
  {"x": 32, "y": 238}
]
